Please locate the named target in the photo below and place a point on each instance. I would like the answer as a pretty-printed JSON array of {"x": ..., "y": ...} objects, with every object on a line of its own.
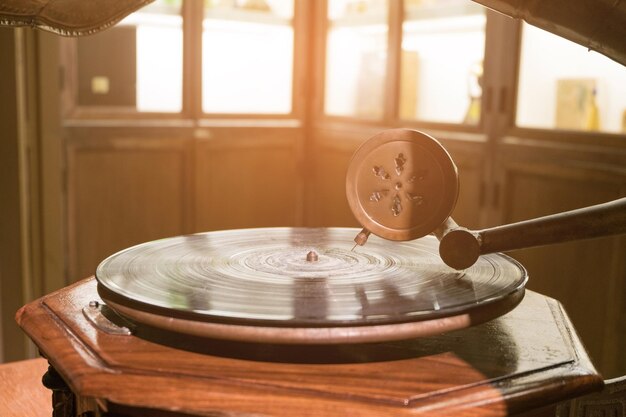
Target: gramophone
[
  {"x": 421, "y": 316},
  {"x": 310, "y": 286}
]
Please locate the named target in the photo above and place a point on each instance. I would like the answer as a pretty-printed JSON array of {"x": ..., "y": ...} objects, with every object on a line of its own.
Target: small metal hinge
[{"x": 96, "y": 313}]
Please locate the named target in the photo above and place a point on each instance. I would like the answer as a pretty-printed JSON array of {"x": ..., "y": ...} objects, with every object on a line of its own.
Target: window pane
[
  {"x": 247, "y": 57},
  {"x": 137, "y": 64},
  {"x": 356, "y": 60},
  {"x": 443, "y": 46},
  {"x": 564, "y": 86}
]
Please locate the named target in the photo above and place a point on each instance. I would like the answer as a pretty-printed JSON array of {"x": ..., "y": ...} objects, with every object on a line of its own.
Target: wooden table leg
[{"x": 63, "y": 400}]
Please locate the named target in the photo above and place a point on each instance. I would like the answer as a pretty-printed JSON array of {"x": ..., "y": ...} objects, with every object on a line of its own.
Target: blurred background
[{"x": 191, "y": 116}]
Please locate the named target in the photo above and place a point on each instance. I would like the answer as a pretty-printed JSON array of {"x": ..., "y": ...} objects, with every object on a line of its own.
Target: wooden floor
[{"x": 21, "y": 391}]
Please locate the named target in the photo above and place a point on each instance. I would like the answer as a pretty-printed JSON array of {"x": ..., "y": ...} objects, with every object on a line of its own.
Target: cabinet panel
[
  {"x": 467, "y": 212},
  {"x": 586, "y": 276},
  {"x": 122, "y": 193},
  {"x": 248, "y": 180},
  {"x": 328, "y": 204}
]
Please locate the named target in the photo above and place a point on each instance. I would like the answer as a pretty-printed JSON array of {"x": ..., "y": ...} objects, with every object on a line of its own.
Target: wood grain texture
[
  {"x": 592, "y": 270},
  {"x": 610, "y": 402},
  {"x": 22, "y": 392},
  {"x": 246, "y": 178},
  {"x": 328, "y": 205},
  {"x": 526, "y": 359},
  {"x": 471, "y": 198},
  {"x": 11, "y": 232},
  {"x": 123, "y": 192}
]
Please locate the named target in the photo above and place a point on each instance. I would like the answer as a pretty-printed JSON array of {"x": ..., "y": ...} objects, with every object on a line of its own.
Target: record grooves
[{"x": 266, "y": 278}]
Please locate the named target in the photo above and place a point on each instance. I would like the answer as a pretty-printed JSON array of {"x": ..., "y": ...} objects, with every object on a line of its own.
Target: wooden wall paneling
[
  {"x": 614, "y": 352},
  {"x": 586, "y": 276},
  {"x": 470, "y": 160},
  {"x": 333, "y": 150},
  {"x": 247, "y": 177},
  {"x": 51, "y": 164},
  {"x": 122, "y": 192},
  {"x": 13, "y": 215},
  {"x": 68, "y": 76},
  {"x": 329, "y": 202}
]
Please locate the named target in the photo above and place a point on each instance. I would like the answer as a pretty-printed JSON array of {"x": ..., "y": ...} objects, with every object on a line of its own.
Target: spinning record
[{"x": 296, "y": 285}]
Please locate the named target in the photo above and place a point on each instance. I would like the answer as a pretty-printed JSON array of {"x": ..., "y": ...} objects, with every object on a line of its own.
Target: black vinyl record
[{"x": 300, "y": 277}]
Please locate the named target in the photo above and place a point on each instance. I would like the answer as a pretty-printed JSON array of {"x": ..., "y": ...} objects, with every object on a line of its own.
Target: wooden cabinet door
[
  {"x": 122, "y": 192},
  {"x": 247, "y": 177},
  {"x": 327, "y": 204},
  {"x": 125, "y": 190},
  {"x": 586, "y": 276}
]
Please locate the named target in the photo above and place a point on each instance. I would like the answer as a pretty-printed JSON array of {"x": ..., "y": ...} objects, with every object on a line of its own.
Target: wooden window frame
[
  {"x": 191, "y": 114},
  {"x": 391, "y": 117}
]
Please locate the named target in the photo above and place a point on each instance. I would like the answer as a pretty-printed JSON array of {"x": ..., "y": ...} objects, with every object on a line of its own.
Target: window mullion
[
  {"x": 394, "y": 42},
  {"x": 193, "y": 12}
]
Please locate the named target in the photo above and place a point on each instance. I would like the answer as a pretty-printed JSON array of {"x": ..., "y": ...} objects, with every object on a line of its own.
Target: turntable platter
[{"x": 297, "y": 285}]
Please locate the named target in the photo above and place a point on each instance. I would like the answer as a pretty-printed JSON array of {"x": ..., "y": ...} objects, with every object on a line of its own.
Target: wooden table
[
  {"x": 527, "y": 360},
  {"x": 21, "y": 392}
]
